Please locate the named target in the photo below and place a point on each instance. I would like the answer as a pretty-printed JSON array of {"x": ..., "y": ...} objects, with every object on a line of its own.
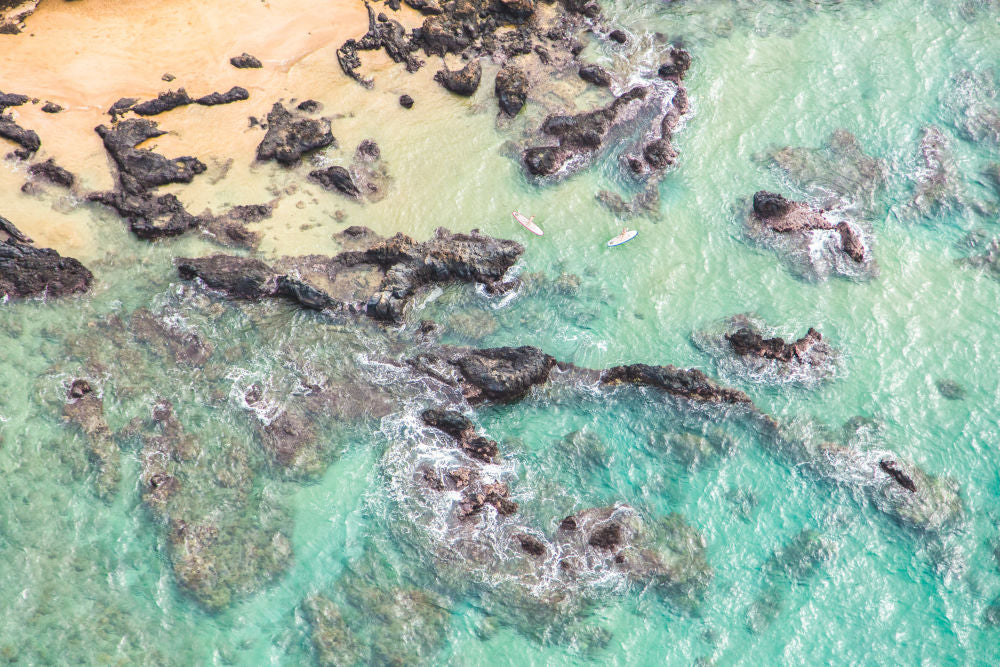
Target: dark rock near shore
[
  {"x": 898, "y": 475},
  {"x": 379, "y": 280},
  {"x": 338, "y": 179},
  {"x": 789, "y": 217},
  {"x": 745, "y": 341},
  {"x": 308, "y": 106},
  {"x": 27, "y": 139},
  {"x": 12, "y": 100},
  {"x": 52, "y": 173},
  {"x": 26, "y": 271},
  {"x": 163, "y": 102},
  {"x": 500, "y": 374},
  {"x": 388, "y": 35},
  {"x": 51, "y": 107},
  {"x": 234, "y": 94},
  {"x": 120, "y": 107},
  {"x": 579, "y": 135},
  {"x": 289, "y": 137},
  {"x": 462, "y": 82},
  {"x": 15, "y": 234},
  {"x": 511, "y": 88},
  {"x": 142, "y": 167},
  {"x": 245, "y": 61},
  {"x": 596, "y": 75},
  {"x": 406, "y": 101},
  {"x": 149, "y": 216},
  {"x": 618, "y": 36}
]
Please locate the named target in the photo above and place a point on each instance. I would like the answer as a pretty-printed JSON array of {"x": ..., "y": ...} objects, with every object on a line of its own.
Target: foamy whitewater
[{"x": 768, "y": 535}]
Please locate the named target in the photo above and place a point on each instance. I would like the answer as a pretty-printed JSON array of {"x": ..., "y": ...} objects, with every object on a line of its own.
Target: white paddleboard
[
  {"x": 623, "y": 238},
  {"x": 528, "y": 224}
]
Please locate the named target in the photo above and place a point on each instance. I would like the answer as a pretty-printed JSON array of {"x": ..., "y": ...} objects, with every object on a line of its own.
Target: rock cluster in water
[{"x": 27, "y": 271}]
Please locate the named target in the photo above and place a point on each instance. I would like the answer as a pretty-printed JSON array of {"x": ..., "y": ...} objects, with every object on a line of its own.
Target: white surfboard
[
  {"x": 527, "y": 223},
  {"x": 623, "y": 238}
]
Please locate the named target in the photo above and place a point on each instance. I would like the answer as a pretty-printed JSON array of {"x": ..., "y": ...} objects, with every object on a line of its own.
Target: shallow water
[{"x": 90, "y": 580}]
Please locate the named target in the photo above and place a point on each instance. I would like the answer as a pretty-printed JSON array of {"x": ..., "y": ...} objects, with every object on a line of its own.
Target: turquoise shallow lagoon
[{"x": 805, "y": 567}]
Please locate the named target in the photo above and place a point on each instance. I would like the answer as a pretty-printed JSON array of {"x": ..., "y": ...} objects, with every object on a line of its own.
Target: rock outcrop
[
  {"x": 784, "y": 216},
  {"x": 378, "y": 280},
  {"x": 290, "y": 136},
  {"x": 26, "y": 271},
  {"x": 463, "y": 81}
]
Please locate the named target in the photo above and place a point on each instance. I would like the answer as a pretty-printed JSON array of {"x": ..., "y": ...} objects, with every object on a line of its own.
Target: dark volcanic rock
[
  {"x": 406, "y": 101},
  {"x": 531, "y": 545},
  {"x": 289, "y": 137},
  {"x": 52, "y": 173},
  {"x": 511, "y": 88},
  {"x": 146, "y": 168},
  {"x": 462, "y": 82},
  {"x": 579, "y": 135},
  {"x": 12, "y": 100},
  {"x": 234, "y": 94},
  {"x": 27, "y": 139},
  {"x": 687, "y": 383},
  {"x": 26, "y": 271},
  {"x": 675, "y": 65},
  {"x": 309, "y": 106},
  {"x": 595, "y": 74},
  {"x": 461, "y": 429},
  {"x": 120, "y": 107},
  {"x": 379, "y": 280},
  {"x": 851, "y": 242},
  {"x": 388, "y": 35},
  {"x": 245, "y": 61},
  {"x": 240, "y": 277},
  {"x": 368, "y": 151},
  {"x": 790, "y": 217},
  {"x": 890, "y": 468},
  {"x": 8, "y": 228},
  {"x": 149, "y": 216},
  {"x": 163, "y": 102},
  {"x": 745, "y": 341},
  {"x": 336, "y": 178},
  {"x": 619, "y": 36},
  {"x": 51, "y": 107},
  {"x": 496, "y": 374}
]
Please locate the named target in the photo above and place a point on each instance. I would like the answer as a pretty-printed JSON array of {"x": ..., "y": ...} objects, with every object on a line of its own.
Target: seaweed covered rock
[
  {"x": 26, "y": 271},
  {"x": 85, "y": 408},
  {"x": 290, "y": 136}
]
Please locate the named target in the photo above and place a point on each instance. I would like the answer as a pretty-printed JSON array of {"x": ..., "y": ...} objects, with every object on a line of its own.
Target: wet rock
[
  {"x": 239, "y": 277},
  {"x": 26, "y": 271},
  {"x": 163, "y": 102},
  {"x": 13, "y": 13},
  {"x": 851, "y": 242},
  {"x": 477, "y": 496},
  {"x": 234, "y": 94},
  {"x": 511, "y": 88},
  {"x": 149, "y": 216},
  {"x": 388, "y": 35},
  {"x": 579, "y": 136},
  {"x": 289, "y": 137},
  {"x": 230, "y": 228},
  {"x": 690, "y": 383},
  {"x": 27, "y": 139},
  {"x": 384, "y": 275},
  {"x": 890, "y": 468},
  {"x": 51, "y": 107},
  {"x": 461, "y": 429},
  {"x": 607, "y": 537},
  {"x": 784, "y": 216},
  {"x": 675, "y": 65},
  {"x": 618, "y": 36},
  {"x": 52, "y": 173},
  {"x": 12, "y": 100},
  {"x": 121, "y": 107},
  {"x": 142, "y": 168},
  {"x": 531, "y": 545},
  {"x": 462, "y": 82},
  {"x": 85, "y": 409},
  {"x": 14, "y": 234},
  {"x": 745, "y": 341},
  {"x": 245, "y": 61},
  {"x": 596, "y": 75},
  {"x": 338, "y": 179},
  {"x": 406, "y": 101},
  {"x": 499, "y": 374},
  {"x": 442, "y": 34}
]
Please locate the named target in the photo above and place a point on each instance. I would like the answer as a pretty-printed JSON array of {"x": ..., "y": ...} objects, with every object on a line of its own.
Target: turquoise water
[{"x": 90, "y": 579}]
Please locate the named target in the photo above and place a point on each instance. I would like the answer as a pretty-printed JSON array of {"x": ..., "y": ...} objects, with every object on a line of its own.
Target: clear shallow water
[{"x": 90, "y": 580}]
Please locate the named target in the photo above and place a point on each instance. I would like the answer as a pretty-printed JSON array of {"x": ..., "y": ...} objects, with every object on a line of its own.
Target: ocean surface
[{"x": 805, "y": 569}]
